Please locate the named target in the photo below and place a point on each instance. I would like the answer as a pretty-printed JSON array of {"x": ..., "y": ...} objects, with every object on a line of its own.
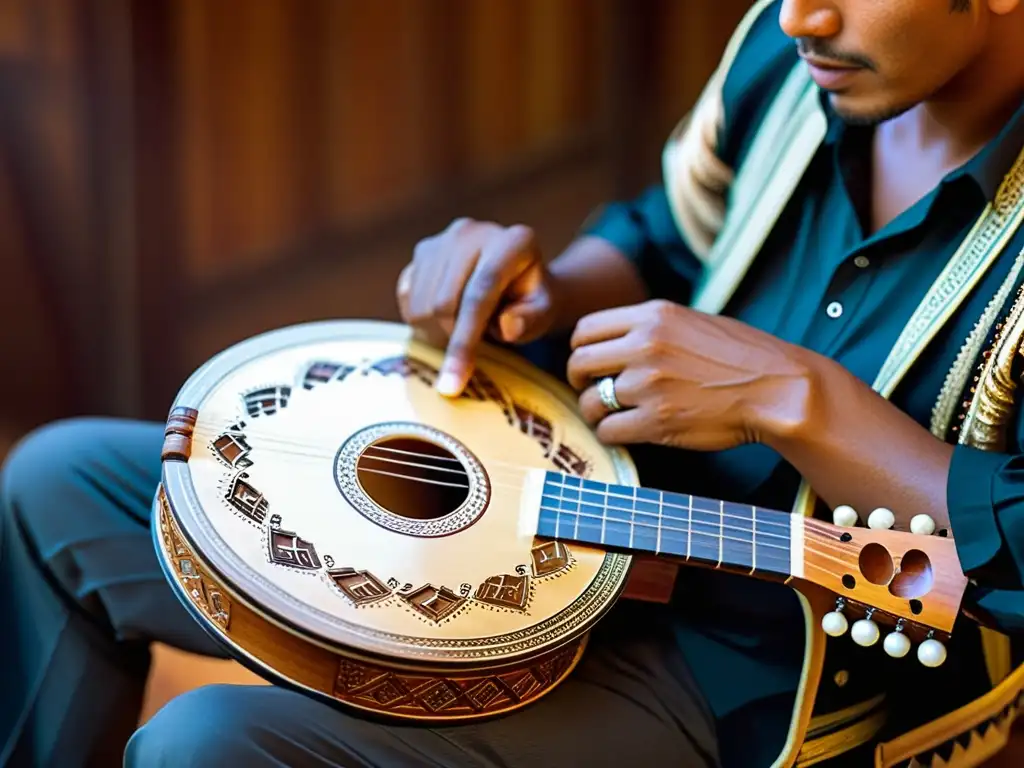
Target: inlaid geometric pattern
[{"x": 389, "y": 692}]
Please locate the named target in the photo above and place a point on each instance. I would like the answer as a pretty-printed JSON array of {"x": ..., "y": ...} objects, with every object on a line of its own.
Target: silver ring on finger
[{"x": 606, "y": 391}]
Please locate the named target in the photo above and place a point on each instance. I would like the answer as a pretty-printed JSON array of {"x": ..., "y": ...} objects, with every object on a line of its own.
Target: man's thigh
[
  {"x": 77, "y": 495},
  {"x": 632, "y": 700}
]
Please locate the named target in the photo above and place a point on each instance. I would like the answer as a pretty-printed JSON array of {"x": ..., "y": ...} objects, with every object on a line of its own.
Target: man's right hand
[{"x": 474, "y": 278}]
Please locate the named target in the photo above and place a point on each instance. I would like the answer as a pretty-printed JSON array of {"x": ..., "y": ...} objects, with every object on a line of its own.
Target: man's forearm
[
  {"x": 591, "y": 275},
  {"x": 854, "y": 447}
]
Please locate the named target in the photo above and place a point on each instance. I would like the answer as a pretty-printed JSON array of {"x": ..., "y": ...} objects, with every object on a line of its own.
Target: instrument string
[
  {"x": 758, "y": 537},
  {"x": 508, "y": 482}
]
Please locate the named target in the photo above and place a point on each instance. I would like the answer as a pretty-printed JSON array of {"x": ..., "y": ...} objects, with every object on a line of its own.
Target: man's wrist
[{"x": 796, "y": 414}]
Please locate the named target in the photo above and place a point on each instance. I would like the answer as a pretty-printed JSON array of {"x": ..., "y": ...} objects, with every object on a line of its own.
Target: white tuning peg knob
[
  {"x": 834, "y": 624},
  {"x": 922, "y": 525},
  {"x": 931, "y": 653},
  {"x": 865, "y": 632},
  {"x": 896, "y": 643},
  {"x": 844, "y": 516},
  {"x": 881, "y": 518}
]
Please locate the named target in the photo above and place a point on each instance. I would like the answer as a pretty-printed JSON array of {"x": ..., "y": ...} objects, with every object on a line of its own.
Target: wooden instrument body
[
  {"x": 275, "y": 540},
  {"x": 345, "y": 530}
]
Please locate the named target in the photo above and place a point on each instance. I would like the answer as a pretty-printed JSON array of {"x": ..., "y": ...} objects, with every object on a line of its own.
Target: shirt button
[
  {"x": 861, "y": 261},
  {"x": 834, "y": 310}
]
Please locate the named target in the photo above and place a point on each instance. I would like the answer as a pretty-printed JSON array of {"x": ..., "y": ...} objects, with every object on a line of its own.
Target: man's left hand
[{"x": 688, "y": 379}]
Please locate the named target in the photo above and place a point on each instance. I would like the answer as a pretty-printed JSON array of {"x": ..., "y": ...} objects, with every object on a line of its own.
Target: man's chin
[{"x": 856, "y": 111}]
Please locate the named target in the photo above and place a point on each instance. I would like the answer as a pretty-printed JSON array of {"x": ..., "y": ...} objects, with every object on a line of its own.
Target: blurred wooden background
[{"x": 178, "y": 175}]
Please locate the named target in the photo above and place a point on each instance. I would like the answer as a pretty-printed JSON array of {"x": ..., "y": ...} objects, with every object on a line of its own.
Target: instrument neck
[{"x": 708, "y": 532}]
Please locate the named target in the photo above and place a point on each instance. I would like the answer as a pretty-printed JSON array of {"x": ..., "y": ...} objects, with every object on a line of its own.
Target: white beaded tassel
[
  {"x": 896, "y": 643},
  {"x": 844, "y": 516},
  {"x": 865, "y": 632},
  {"x": 881, "y": 518},
  {"x": 922, "y": 525},
  {"x": 834, "y": 623},
  {"x": 931, "y": 653}
]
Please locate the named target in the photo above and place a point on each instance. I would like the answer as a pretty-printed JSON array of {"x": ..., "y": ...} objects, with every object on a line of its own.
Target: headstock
[{"x": 909, "y": 582}]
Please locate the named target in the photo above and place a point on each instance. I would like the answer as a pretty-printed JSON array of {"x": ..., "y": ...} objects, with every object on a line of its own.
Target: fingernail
[{"x": 448, "y": 384}]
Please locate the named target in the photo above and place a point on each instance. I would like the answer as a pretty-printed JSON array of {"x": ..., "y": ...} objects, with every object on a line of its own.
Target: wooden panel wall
[{"x": 220, "y": 168}]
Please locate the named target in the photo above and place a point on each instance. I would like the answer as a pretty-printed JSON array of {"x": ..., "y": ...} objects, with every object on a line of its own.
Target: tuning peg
[
  {"x": 881, "y": 518},
  {"x": 896, "y": 643},
  {"x": 844, "y": 516},
  {"x": 834, "y": 623},
  {"x": 865, "y": 632},
  {"x": 922, "y": 524},
  {"x": 931, "y": 652}
]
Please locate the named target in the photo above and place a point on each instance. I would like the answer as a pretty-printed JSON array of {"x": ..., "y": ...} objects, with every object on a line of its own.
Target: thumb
[{"x": 525, "y": 319}]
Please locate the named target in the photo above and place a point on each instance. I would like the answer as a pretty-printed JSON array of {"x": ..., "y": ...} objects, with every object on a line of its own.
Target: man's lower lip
[{"x": 831, "y": 78}]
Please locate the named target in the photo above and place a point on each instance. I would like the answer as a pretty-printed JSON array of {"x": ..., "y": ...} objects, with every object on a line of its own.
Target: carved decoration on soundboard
[
  {"x": 371, "y": 687},
  {"x": 405, "y": 367},
  {"x": 266, "y": 401},
  {"x": 549, "y": 558},
  {"x": 361, "y": 587},
  {"x": 244, "y": 498},
  {"x": 322, "y": 372},
  {"x": 204, "y": 592},
  {"x": 568, "y": 461},
  {"x": 480, "y": 387},
  {"x": 536, "y": 426},
  {"x": 232, "y": 447},
  {"x": 505, "y": 591},
  {"x": 435, "y": 603},
  {"x": 290, "y": 549}
]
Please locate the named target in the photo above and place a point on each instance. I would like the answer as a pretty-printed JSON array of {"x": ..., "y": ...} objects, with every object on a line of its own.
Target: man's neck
[{"x": 958, "y": 121}]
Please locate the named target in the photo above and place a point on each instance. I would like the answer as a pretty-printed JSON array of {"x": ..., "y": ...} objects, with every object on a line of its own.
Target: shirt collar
[{"x": 988, "y": 168}]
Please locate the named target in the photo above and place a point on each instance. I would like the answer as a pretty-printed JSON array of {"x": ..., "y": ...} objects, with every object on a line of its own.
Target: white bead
[
  {"x": 922, "y": 525},
  {"x": 834, "y": 624},
  {"x": 865, "y": 632},
  {"x": 896, "y": 645},
  {"x": 844, "y": 516},
  {"x": 931, "y": 653},
  {"x": 881, "y": 518}
]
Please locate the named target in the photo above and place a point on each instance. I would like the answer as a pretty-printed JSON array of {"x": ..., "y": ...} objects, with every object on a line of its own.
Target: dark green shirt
[{"x": 820, "y": 281}]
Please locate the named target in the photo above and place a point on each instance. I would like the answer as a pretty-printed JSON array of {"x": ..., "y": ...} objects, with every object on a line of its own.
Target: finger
[
  {"x": 634, "y": 425},
  {"x": 521, "y": 320},
  {"x": 403, "y": 290},
  {"x": 427, "y": 273},
  {"x": 603, "y": 358},
  {"x": 604, "y": 325},
  {"x": 498, "y": 266},
  {"x": 453, "y": 275}
]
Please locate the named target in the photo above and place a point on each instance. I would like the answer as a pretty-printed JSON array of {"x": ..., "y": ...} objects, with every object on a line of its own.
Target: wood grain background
[{"x": 178, "y": 175}]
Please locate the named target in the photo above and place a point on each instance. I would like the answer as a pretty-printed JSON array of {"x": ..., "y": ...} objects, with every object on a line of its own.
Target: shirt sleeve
[
  {"x": 985, "y": 497},
  {"x": 645, "y": 231}
]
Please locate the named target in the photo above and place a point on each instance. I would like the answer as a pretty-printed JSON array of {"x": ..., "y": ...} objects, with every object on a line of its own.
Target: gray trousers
[{"x": 82, "y": 596}]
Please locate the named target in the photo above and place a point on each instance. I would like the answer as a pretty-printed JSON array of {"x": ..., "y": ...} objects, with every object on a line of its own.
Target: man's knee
[
  {"x": 74, "y": 482},
  {"x": 217, "y": 725},
  {"x": 44, "y": 461}
]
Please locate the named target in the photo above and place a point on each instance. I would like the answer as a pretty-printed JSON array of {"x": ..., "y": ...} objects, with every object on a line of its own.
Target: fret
[{"x": 636, "y": 519}]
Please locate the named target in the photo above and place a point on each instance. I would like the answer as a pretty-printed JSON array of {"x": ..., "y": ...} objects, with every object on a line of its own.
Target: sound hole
[
  {"x": 413, "y": 478},
  {"x": 876, "y": 564},
  {"x": 915, "y": 578}
]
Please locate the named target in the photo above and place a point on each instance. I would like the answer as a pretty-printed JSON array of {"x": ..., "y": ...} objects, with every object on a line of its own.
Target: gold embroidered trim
[
  {"x": 986, "y": 240},
  {"x": 955, "y": 382}
]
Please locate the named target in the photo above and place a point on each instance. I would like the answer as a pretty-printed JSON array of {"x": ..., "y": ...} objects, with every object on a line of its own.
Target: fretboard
[{"x": 709, "y": 532}]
